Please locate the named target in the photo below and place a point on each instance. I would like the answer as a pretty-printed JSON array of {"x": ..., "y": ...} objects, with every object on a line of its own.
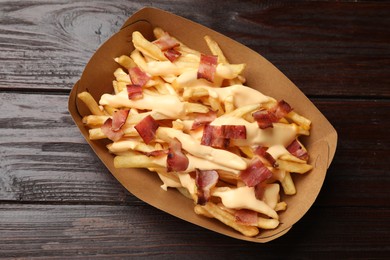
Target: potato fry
[
  {"x": 300, "y": 120},
  {"x": 96, "y": 134},
  {"x": 91, "y": 103},
  {"x": 125, "y": 61},
  {"x": 138, "y": 161},
  {"x": 288, "y": 185},
  {"x": 93, "y": 121},
  {"x": 122, "y": 76},
  {"x": 215, "y": 49},
  {"x": 146, "y": 47},
  {"x": 293, "y": 166},
  {"x": 229, "y": 220}
]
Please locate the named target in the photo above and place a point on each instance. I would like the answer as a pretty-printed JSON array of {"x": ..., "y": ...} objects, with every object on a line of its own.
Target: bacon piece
[
  {"x": 246, "y": 217},
  {"x": 207, "y": 67},
  {"x": 265, "y": 118},
  {"x": 172, "y": 54},
  {"x": 147, "y": 128},
  {"x": 111, "y": 134},
  {"x": 281, "y": 109},
  {"x": 166, "y": 42},
  {"x": 176, "y": 160},
  {"x": 213, "y": 136},
  {"x": 134, "y": 91},
  {"x": 259, "y": 190},
  {"x": 234, "y": 131},
  {"x": 203, "y": 119},
  {"x": 255, "y": 173},
  {"x": 205, "y": 180},
  {"x": 119, "y": 119},
  {"x": 138, "y": 77},
  {"x": 297, "y": 150},
  {"x": 262, "y": 152},
  {"x": 219, "y": 136}
]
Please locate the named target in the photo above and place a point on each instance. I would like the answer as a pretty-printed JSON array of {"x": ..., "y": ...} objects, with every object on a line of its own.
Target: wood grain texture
[
  {"x": 144, "y": 232},
  {"x": 326, "y": 48},
  {"x": 58, "y": 201}
]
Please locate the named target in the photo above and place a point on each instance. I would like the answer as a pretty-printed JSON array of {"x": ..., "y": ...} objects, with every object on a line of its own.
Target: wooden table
[{"x": 57, "y": 200}]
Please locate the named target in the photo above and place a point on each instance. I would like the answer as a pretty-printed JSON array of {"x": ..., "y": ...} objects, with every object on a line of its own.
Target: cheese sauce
[
  {"x": 192, "y": 146},
  {"x": 282, "y": 134},
  {"x": 244, "y": 198},
  {"x": 169, "y": 105}
]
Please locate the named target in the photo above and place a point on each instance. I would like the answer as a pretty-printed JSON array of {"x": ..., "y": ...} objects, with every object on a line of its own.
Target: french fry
[
  {"x": 300, "y": 120},
  {"x": 215, "y": 49},
  {"x": 281, "y": 206},
  {"x": 96, "y": 134},
  {"x": 146, "y": 47},
  {"x": 125, "y": 61},
  {"x": 267, "y": 223},
  {"x": 122, "y": 76},
  {"x": 91, "y": 103},
  {"x": 138, "y": 161},
  {"x": 229, "y": 220},
  {"x": 288, "y": 185},
  {"x": 293, "y": 166},
  {"x": 93, "y": 121}
]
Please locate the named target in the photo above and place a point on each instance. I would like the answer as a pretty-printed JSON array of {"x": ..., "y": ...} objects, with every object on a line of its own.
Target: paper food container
[{"x": 260, "y": 74}]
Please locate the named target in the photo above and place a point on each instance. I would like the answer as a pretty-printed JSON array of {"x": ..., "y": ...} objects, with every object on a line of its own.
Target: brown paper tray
[{"x": 261, "y": 74}]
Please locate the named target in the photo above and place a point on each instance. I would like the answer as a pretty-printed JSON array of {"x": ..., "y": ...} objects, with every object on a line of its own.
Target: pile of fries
[{"x": 174, "y": 96}]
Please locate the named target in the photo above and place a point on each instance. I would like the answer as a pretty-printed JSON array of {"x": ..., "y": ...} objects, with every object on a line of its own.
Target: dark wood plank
[
  {"x": 44, "y": 158},
  {"x": 49, "y": 231},
  {"x": 326, "y": 48}
]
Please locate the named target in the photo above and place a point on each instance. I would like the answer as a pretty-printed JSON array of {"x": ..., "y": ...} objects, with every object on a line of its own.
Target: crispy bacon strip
[
  {"x": 297, "y": 150},
  {"x": 138, "y": 77},
  {"x": 265, "y": 118},
  {"x": 166, "y": 42},
  {"x": 205, "y": 180},
  {"x": 213, "y": 136},
  {"x": 246, "y": 217},
  {"x": 255, "y": 173},
  {"x": 259, "y": 190},
  {"x": 203, "y": 119},
  {"x": 119, "y": 119},
  {"x": 219, "y": 136},
  {"x": 262, "y": 152},
  {"x": 172, "y": 54},
  {"x": 176, "y": 160},
  {"x": 109, "y": 132},
  {"x": 207, "y": 67},
  {"x": 147, "y": 128},
  {"x": 234, "y": 131},
  {"x": 281, "y": 109},
  {"x": 134, "y": 91}
]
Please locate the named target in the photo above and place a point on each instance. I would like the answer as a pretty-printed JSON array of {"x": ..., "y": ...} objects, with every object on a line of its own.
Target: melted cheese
[
  {"x": 192, "y": 146},
  {"x": 277, "y": 150},
  {"x": 271, "y": 194},
  {"x": 167, "y": 182},
  {"x": 169, "y": 105},
  {"x": 244, "y": 198},
  {"x": 280, "y": 134}
]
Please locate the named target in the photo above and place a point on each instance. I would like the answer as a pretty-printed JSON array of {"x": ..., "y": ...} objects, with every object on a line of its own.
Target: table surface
[{"x": 57, "y": 200}]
